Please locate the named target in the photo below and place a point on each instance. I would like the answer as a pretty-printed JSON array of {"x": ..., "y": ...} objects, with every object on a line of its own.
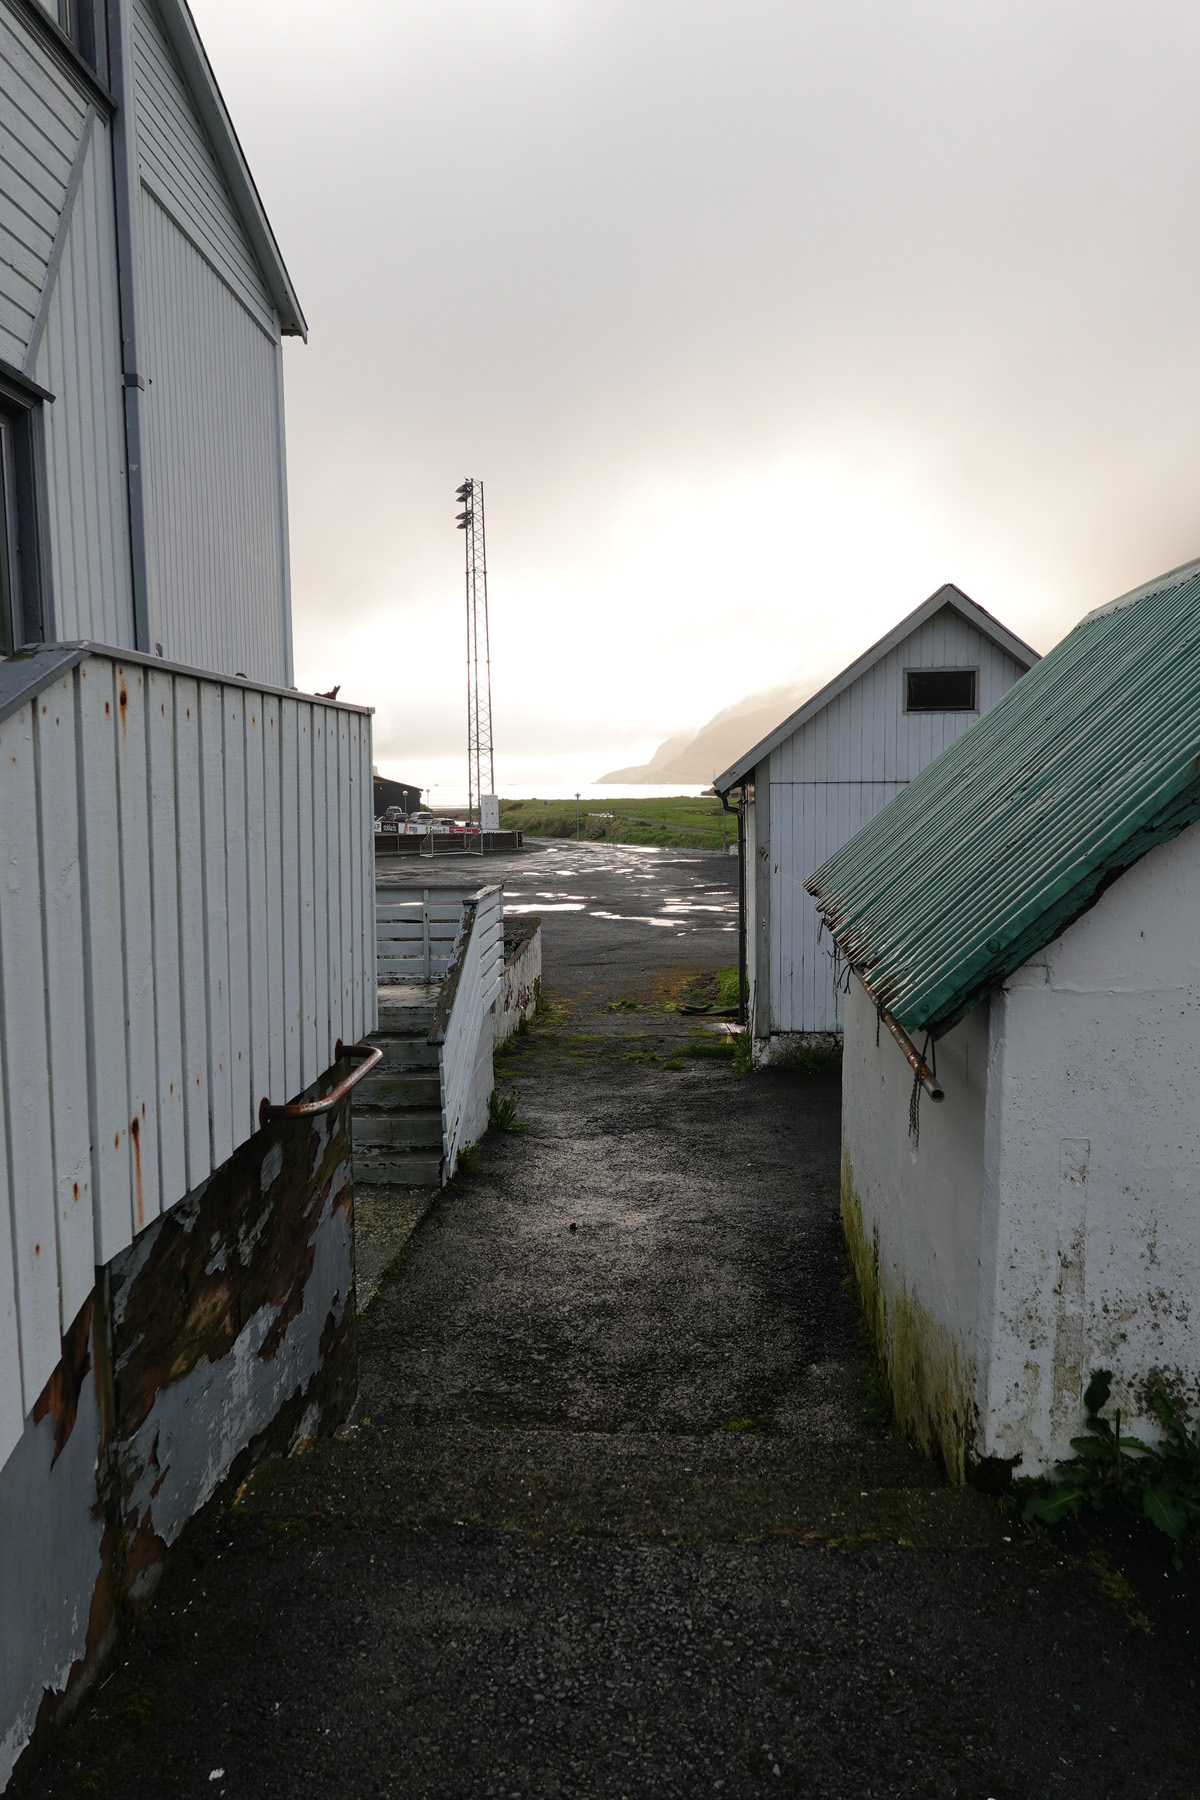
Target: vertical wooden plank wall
[
  {"x": 186, "y": 926},
  {"x": 832, "y": 775}
]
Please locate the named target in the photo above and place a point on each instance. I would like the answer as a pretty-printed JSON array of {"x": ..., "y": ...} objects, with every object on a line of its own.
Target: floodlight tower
[{"x": 479, "y": 655}]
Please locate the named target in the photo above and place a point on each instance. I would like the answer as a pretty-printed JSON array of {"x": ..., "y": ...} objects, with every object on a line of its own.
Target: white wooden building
[
  {"x": 827, "y": 768},
  {"x": 1021, "y": 1134},
  {"x": 186, "y": 853}
]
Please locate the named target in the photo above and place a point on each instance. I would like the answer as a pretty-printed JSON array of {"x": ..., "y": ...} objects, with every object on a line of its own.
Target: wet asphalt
[{"x": 614, "y": 1515}]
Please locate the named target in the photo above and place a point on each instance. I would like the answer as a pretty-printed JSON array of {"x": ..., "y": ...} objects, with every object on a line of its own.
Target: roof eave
[
  {"x": 1179, "y": 810},
  {"x": 946, "y": 595},
  {"x": 185, "y": 41}
]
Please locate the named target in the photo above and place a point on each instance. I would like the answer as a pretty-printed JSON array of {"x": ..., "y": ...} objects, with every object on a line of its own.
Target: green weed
[
  {"x": 1160, "y": 1481},
  {"x": 502, "y": 1114},
  {"x": 727, "y": 987},
  {"x": 743, "y": 1054},
  {"x": 748, "y": 1422}
]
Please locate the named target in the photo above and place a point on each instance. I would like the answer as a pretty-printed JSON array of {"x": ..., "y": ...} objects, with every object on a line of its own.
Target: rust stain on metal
[
  {"x": 135, "y": 1134},
  {"x": 217, "y": 1262},
  {"x": 59, "y": 1399}
]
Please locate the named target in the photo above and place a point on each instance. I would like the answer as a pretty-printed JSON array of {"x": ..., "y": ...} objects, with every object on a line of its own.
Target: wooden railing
[
  {"x": 462, "y": 1028},
  {"x": 415, "y": 932},
  {"x": 186, "y": 929}
]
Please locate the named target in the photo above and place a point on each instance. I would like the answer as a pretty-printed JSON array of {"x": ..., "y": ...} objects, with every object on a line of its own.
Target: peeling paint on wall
[
  {"x": 225, "y": 1331},
  {"x": 521, "y": 988}
]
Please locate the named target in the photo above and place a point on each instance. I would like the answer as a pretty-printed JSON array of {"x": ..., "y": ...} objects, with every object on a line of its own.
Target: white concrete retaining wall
[
  {"x": 1073, "y": 1168},
  {"x": 521, "y": 986},
  {"x": 912, "y": 1213}
]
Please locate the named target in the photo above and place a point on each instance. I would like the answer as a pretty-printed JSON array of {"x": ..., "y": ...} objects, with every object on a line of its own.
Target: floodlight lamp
[{"x": 460, "y": 493}]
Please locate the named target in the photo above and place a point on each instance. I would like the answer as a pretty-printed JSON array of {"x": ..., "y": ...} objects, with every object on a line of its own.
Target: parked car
[{"x": 395, "y": 815}]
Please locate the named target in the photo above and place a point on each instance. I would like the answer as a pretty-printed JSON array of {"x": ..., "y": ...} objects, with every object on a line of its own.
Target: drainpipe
[
  {"x": 912, "y": 1056},
  {"x": 739, "y": 812}
]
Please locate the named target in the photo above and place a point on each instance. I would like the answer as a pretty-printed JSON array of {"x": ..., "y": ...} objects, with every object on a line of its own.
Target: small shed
[
  {"x": 394, "y": 793},
  {"x": 821, "y": 774},
  {"x": 1022, "y": 927}
]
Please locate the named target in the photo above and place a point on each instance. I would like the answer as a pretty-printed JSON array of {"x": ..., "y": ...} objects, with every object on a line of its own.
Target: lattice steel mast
[{"x": 479, "y": 678}]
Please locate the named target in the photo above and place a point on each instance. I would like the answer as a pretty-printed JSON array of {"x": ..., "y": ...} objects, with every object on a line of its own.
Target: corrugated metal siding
[
  {"x": 214, "y": 455},
  {"x": 833, "y": 774},
  {"x": 177, "y": 164},
  {"x": 809, "y": 820},
  {"x": 1077, "y": 771},
  {"x": 160, "y": 862},
  {"x": 79, "y": 360},
  {"x": 41, "y": 117}
]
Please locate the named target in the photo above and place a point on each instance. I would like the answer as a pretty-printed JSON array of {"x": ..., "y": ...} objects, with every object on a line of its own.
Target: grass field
[{"x": 679, "y": 821}]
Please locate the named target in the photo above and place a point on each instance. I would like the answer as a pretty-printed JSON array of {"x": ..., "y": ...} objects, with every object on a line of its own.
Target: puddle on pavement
[{"x": 540, "y": 906}]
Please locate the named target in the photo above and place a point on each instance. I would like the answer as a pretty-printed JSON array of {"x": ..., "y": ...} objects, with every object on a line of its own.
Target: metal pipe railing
[{"x": 307, "y": 1109}]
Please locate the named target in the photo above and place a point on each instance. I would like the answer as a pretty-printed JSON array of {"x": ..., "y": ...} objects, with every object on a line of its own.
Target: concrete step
[
  {"x": 410, "y": 1129},
  {"x": 403, "y": 1054},
  {"x": 406, "y": 1011},
  {"x": 397, "y": 1168},
  {"x": 391, "y": 1093}
]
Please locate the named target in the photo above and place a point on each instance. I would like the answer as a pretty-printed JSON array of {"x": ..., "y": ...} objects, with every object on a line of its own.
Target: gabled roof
[
  {"x": 947, "y": 595},
  {"x": 1090, "y": 760},
  {"x": 184, "y": 39}
]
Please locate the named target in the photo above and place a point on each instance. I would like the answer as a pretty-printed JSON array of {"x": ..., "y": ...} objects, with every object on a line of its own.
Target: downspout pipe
[
  {"x": 916, "y": 1062},
  {"x": 739, "y": 812}
]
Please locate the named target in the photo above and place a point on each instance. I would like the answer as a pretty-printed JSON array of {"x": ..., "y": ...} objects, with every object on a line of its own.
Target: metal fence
[{"x": 186, "y": 927}]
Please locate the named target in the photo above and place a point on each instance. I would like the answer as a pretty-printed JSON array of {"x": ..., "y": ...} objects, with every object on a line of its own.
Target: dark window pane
[
  {"x": 941, "y": 690},
  {"x": 10, "y": 635}
]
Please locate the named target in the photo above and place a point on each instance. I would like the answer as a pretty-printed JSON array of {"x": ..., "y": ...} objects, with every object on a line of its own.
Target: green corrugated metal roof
[{"x": 1086, "y": 763}]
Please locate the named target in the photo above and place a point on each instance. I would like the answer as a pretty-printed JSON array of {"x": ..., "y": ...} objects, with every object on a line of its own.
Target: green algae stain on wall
[{"x": 931, "y": 1383}]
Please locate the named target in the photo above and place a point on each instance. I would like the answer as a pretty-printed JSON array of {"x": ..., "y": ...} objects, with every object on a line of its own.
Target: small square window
[
  {"x": 83, "y": 22},
  {"x": 939, "y": 690}
]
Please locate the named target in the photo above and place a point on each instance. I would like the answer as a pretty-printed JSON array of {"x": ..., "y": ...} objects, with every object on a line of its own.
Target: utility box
[{"x": 489, "y": 812}]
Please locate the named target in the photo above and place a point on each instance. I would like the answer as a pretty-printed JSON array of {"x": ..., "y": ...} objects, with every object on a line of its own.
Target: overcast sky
[{"x": 757, "y": 320}]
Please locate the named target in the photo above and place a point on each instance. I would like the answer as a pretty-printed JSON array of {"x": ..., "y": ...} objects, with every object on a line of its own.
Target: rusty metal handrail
[{"x": 306, "y": 1109}]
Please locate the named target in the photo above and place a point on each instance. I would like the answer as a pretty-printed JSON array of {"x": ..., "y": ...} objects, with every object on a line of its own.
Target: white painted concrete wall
[
  {"x": 1092, "y": 1216},
  {"x": 1073, "y": 1166},
  {"x": 919, "y": 1200}
]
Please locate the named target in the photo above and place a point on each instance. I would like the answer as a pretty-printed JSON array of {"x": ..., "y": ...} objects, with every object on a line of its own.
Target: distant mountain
[
  {"x": 661, "y": 760},
  {"x": 700, "y": 755}
]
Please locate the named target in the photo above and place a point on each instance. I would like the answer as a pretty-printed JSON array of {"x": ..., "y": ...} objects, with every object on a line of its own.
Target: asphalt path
[
  {"x": 612, "y": 914},
  {"x": 614, "y": 1514}
]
